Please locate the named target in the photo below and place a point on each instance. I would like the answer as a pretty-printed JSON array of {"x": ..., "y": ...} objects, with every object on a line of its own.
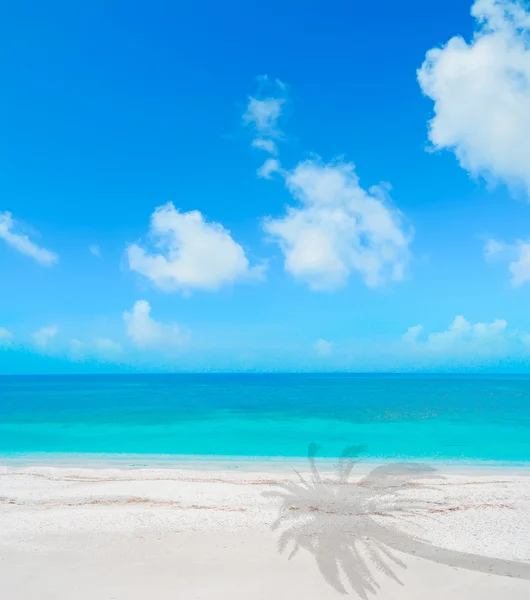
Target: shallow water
[{"x": 476, "y": 418}]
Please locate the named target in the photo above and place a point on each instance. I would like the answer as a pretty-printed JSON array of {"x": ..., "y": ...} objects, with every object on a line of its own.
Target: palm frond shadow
[{"x": 354, "y": 530}]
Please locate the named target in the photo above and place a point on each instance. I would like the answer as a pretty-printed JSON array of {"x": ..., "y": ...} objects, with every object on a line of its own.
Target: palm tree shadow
[{"x": 355, "y": 530}]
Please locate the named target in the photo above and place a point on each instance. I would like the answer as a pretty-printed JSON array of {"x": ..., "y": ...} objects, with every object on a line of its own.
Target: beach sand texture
[{"x": 200, "y": 533}]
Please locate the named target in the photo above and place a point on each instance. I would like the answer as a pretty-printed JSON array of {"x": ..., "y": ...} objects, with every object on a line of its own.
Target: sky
[{"x": 296, "y": 187}]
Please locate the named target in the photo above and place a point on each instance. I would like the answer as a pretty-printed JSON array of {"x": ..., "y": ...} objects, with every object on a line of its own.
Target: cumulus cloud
[
  {"x": 190, "y": 253},
  {"x": 462, "y": 330},
  {"x": 264, "y": 110},
  {"x": 463, "y": 338},
  {"x": 264, "y": 115},
  {"x": 6, "y": 337},
  {"x": 145, "y": 332},
  {"x": 336, "y": 227},
  {"x": 481, "y": 94},
  {"x": 412, "y": 333},
  {"x": 517, "y": 255},
  {"x": 323, "y": 347},
  {"x": 9, "y": 232},
  {"x": 333, "y": 227},
  {"x": 43, "y": 336}
]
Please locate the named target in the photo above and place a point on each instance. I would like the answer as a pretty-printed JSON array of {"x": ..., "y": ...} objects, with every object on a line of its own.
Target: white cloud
[
  {"x": 264, "y": 144},
  {"x": 462, "y": 330},
  {"x": 263, "y": 113},
  {"x": 520, "y": 267},
  {"x": 95, "y": 250},
  {"x": 6, "y": 337},
  {"x": 192, "y": 253},
  {"x": 43, "y": 336},
  {"x": 412, "y": 333},
  {"x": 463, "y": 338},
  {"x": 338, "y": 227},
  {"x": 334, "y": 226},
  {"x": 323, "y": 347},
  {"x": 493, "y": 248},
  {"x": 22, "y": 243},
  {"x": 481, "y": 94},
  {"x": 270, "y": 166},
  {"x": 145, "y": 332},
  {"x": 106, "y": 346},
  {"x": 517, "y": 255}
]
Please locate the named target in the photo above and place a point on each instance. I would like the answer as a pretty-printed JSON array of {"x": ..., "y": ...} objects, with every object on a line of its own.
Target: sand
[{"x": 204, "y": 531}]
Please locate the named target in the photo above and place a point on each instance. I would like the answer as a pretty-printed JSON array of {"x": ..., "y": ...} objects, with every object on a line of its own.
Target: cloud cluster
[
  {"x": 145, "y": 332},
  {"x": 263, "y": 113},
  {"x": 142, "y": 331},
  {"x": 462, "y": 330},
  {"x": 463, "y": 338},
  {"x": 22, "y": 243},
  {"x": 481, "y": 94},
  {"x": 334, "y": 226},
  {"x": 189, "y": 253},
  {"x": 337, "y": 227}
]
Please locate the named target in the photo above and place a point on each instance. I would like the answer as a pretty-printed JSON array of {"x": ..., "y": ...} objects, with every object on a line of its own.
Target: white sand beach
[{"x": 198, "y": 533}]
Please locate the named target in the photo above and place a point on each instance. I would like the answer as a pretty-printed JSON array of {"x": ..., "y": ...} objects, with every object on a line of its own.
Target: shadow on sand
[{"x": 355, "y": 529}]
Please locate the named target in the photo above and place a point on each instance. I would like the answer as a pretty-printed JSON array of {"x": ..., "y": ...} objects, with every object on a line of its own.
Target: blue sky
[{"x": 140, "y": 231}]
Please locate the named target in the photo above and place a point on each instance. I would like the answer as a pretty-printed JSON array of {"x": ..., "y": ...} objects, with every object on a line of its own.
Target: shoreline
[{"x": 248, "y": 463}]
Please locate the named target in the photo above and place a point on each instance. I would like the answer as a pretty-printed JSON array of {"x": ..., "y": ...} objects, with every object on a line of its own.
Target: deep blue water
[{"x": 437, "y": 417}]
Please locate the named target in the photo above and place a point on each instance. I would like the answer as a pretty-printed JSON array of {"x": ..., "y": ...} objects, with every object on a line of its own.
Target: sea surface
[{"x": 451, "y": 418}]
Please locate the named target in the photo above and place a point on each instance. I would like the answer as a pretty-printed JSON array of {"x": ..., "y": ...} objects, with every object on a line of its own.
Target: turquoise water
[{"x": 449, "y": 417}]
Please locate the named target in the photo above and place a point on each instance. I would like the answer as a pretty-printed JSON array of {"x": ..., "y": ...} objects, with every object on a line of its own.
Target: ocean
[{"x": 450, "y": 418}]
